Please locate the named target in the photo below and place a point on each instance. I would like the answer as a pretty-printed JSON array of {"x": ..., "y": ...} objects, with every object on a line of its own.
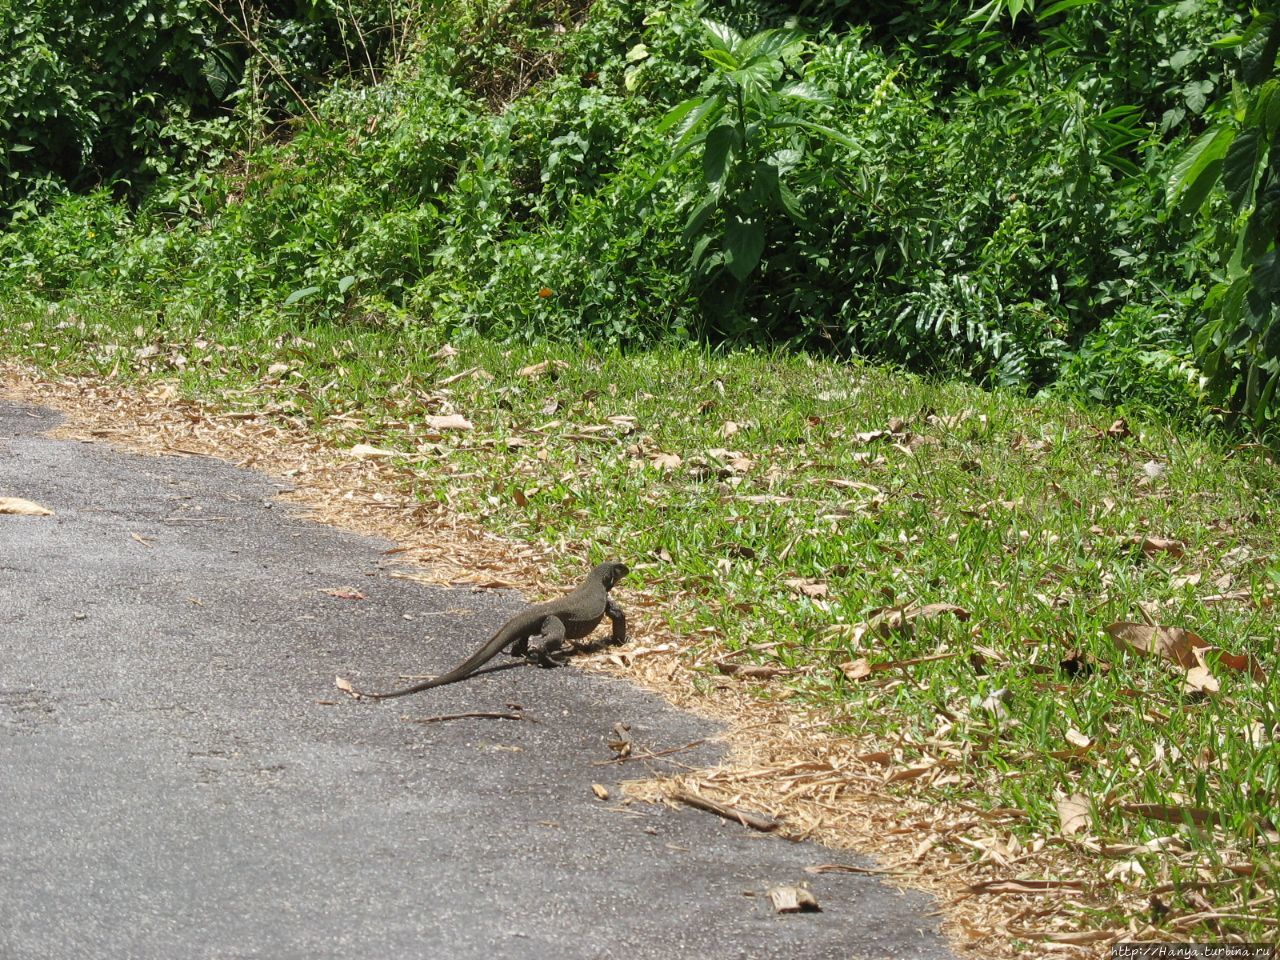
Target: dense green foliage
[
  {"x": 977, "y": 193},
  {"x": 1239, "y": 346},
  {"x": 117, "y": 93}
]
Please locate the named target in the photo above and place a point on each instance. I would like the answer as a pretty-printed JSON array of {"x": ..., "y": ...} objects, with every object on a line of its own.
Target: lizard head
[{"x": 610, "y": 573}]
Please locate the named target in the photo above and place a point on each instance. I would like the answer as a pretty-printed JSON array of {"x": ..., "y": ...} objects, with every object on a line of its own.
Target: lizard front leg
[
  {"x": 550, "y": 652},
  {"x": 618, "y": 620}
]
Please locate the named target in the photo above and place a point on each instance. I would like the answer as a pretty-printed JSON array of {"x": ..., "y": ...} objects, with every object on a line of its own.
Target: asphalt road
[{"x": 170, "y": 788}]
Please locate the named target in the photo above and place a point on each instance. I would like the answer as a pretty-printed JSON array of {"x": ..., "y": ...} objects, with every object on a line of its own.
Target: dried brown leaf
[
  {"x": 1243, "y": 663},
  {"x": 535, "y": 370},
  {"x": 452, "y": 421},
  {"x": 1172, "y": 643},
  {"x": 793, "y": 899},
  {"x": 901, "y": 618},
  {"x": 751, "y": 671},
  {"x": 666, "y": 462},
  {"x": 1074, "y": 813},
  {"x": 16, "y": 506},
  {"x": 344, "y": 593},
  {"x": 807, "y": 587},
  {"x": 861, "y": 668},
  {"x": 1119, "y": 430},
  {"x": 1200, "y": 680},
  {"x": 1183, "y": 647},
  {"x": 999, "y": 886},
  {"x": 910, "y": 773},
  {"x": 858, "y": 669},
  {"x": 1174, "y": 813},
  {"x": 364, "y": 451},
  {"x": 1152, "y": 546}
]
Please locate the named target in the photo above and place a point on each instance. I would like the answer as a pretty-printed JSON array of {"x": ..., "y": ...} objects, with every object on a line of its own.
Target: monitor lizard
[{"x": 571, "y": 617}]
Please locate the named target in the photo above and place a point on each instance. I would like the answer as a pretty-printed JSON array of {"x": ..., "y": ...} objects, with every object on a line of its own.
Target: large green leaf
[
  {"x": 1258, "y": 52},
  {"x": 1196, "y": 168},
  {"x": 722, "y": 36},
  {"x": 829, "y": 132},
  {"x": 1055, "y": 8},
  {"x": 302, "y": 294},
  {"x": 1264, "y": 110},
  {"x": 706, "y": 111},
  {"x": 804, "y": 91},
  {"x": 1266, "y": 276},
  {"x": 723, "y": 59},
  {"x": 1241, "y": 165},
  {"x": 698, "y": 217},
  {"x": 775, "y": 44},
  {"x": 743, "y": 244},
  {"x": 678, "y": 113},
  {"x": 1264, "y": 224},
  {"x": 720, "y": 144}
]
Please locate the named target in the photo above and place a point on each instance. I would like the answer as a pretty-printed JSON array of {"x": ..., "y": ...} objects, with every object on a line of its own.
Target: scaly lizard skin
[{"x": 571, "y": 617}]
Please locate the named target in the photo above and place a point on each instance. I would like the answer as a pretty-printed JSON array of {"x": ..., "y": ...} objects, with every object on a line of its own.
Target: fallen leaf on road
[
  {"x": 600, "y": 790},
  {"x": 344, "y": 593},
  {"x": 792, "y": 899},
  {"x": 748, "y": 818},
  {"x": 620, "y": 742},
  {"x": 18, "y": 507}
]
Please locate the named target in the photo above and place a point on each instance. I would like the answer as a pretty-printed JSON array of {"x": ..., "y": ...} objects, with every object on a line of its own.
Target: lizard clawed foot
[{"x": 549, "y": 655}]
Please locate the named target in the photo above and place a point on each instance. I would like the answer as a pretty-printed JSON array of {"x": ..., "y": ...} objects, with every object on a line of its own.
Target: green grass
[{"x": 1025, "y": 514}]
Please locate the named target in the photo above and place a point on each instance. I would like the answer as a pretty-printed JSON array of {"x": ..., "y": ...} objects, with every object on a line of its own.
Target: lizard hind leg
[{"x": 550, "y": 652}]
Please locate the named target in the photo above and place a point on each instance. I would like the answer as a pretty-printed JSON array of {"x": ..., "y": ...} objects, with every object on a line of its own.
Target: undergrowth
[{"x": 916, "y": 188}]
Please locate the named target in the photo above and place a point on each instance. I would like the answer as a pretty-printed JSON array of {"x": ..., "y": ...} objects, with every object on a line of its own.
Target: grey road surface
[{"x": 171, "y": 789}]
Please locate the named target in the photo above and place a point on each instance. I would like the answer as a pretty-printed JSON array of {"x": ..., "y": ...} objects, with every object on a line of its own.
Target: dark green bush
[{"x": 899, "y": 181}]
